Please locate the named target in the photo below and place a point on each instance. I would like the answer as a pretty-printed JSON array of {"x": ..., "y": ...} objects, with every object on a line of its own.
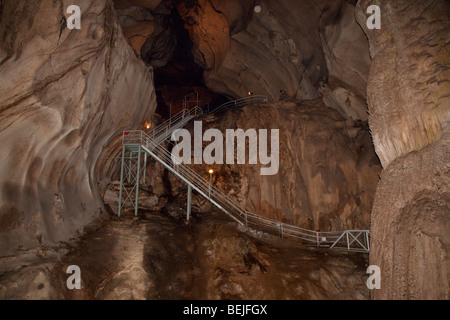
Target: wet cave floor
[{"x": 160, "y": 257}]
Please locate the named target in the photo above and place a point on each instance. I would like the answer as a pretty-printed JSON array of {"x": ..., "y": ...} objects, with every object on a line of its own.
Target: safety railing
[
  {"x": 164, "y": 130},
  {"x": 351, "y": 240},
  {"x": 238, "y": 103},
  {"x": 151, "y": 143}
]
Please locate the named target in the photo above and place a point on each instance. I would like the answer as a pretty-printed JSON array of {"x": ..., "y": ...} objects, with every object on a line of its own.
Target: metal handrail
[
  {"x": 180, "y": 118},
  {"x": 351, "y": 240},
  {"x": 239, "y": 103}
]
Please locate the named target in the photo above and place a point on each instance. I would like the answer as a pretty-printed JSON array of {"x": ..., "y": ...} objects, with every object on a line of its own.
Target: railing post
[
  {"x": 145, "y": 167},
  {"x": 130, "y": 167},
  {"x": 189, "y": 199},
  {"x": 119, "y": 212},
  {"x": 367, "y": 240},
  {"x": 138, "y": 181},
  {"x": 348, "y": 242}
]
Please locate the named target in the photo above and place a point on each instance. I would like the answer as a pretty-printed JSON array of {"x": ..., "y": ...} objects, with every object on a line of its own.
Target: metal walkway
[{"x": 138, "y": 144}]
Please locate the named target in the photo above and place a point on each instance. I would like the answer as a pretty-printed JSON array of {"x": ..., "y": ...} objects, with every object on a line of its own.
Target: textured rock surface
[
  {"x": 408, "y": 87},
  {"x": 279, "y": 49},
  {"x": 410, "y": 225},
  {"x": 408, "y": 98},
  {"x": 237, "y": 12},
  {"x": 158, "y": 257},
  {"x": 138, "y": 25},
  {"x": 328, "y": 170},
  {"x": 149, "y": 4},
  {"x": 288, "y": 49},
  {"x": 64, "y": 95},
  {"x": 347, "y": 55},
  {"x": 208, "y": 29}
]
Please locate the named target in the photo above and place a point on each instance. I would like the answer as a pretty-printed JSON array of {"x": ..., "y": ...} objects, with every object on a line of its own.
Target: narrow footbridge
[{"x": 138, "y": 145}]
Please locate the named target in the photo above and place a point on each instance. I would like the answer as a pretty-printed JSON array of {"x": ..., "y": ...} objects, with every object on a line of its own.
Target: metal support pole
[
  {"x": 189, "y": 201},
  {"x": 348, "y": 242},
  {"x": 130, "y": 167},
  {"x": 121, "y": 181},
  {"x": 368, "y": 241},
  {"x": 145, "y": 167},
  {"x": 138, "y": 181}
]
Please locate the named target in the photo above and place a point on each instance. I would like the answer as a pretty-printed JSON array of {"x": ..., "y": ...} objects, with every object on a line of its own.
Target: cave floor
[{"x": 157, "y": 256}]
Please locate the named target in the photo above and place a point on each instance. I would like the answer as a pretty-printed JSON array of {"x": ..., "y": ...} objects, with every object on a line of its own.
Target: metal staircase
[{"x": 138, "y": 144}]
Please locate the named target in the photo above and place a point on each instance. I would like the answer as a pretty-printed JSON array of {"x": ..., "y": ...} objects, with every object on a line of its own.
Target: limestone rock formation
[
  {"x": 347, "y": 55},
  {"x": 238, "y": 13},
  {"x": 408, "y": 87},
  {"x": 64, "y": 96},
  {"x": 408, "y": 99},
  {"x": 278, "y": 49},
  {"x": 410, "y": 225},
  {"x": 149, "y": 4},
  {"x": 208, "y": 29},
  {"x": 138, "y": 25}
]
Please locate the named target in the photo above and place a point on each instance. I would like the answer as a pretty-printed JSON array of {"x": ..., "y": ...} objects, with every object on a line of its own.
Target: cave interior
[{"x": 357, "y": 93}]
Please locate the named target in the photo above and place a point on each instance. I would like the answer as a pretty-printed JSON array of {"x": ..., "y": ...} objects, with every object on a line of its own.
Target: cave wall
[
  {"x": 408, "y": 85},
  {"x": 279, "y": 49},
  {"x": 284, "y": 50},
  {"x": 346, "y": 51},
  {"x": 138, "y": 25},
  {"x": 64, "y": 96},
  {"x": 408, "y": 99}
]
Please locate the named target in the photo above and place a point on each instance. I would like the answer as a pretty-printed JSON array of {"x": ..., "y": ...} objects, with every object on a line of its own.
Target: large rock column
[
  {"x": 409, "y": 106},
  {"x": 64, "y": 95}
]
